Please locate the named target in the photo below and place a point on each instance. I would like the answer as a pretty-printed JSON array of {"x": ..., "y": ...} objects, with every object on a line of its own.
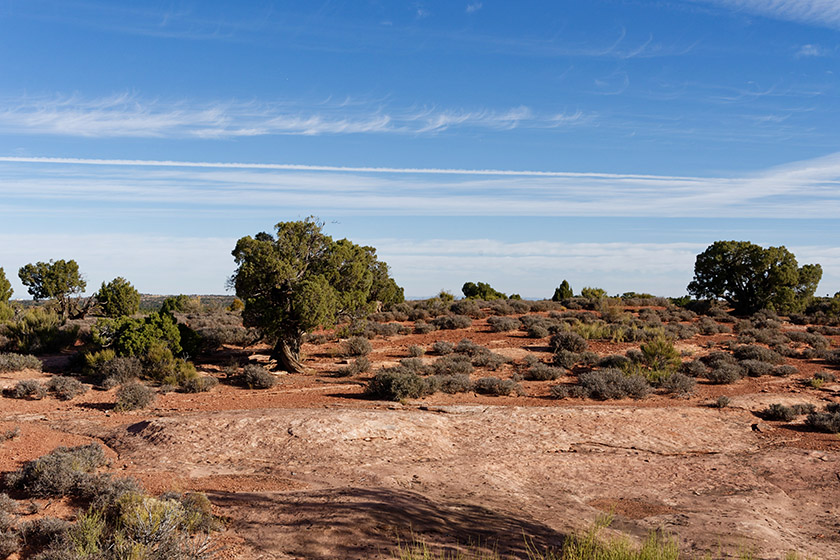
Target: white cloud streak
[
  {"x": 824, "y": 13},
  {"x": 802, "y": 189},
  {"x": 126, "y": 116}
]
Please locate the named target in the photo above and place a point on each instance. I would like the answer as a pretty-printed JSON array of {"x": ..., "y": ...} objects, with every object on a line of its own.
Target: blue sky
[{"x": 606, "y": 142}]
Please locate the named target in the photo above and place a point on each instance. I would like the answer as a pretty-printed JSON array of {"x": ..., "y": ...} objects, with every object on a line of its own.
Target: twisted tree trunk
[{"x": 287, "y": 354}]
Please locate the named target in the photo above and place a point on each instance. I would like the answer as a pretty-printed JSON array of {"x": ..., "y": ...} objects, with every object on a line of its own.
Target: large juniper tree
[
  {"x": 752, "y": 278},
  {"x": 300, "y": 278},
  {"x": 59, "y": 280}
]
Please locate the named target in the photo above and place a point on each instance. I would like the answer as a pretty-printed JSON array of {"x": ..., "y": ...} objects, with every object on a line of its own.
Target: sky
[{"x": 604, "y": 142}]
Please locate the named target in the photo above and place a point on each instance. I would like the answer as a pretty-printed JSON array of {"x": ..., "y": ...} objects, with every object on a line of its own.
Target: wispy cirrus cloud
[
  {"x": 825, "y": 13},
  {"x": 801, "y": 189},
  {"x": 130, "y": 117}
]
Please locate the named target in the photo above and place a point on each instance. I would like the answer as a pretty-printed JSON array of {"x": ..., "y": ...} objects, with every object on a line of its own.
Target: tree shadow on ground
[{"x": 364, "y": 522}]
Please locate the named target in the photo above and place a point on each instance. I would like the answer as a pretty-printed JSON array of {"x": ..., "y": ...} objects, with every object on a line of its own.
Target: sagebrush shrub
[
  {"x": 678, "y": 384},
  {"x": 778, "y": 411},
  {"x": 725, "y": 374},
  {"x": 58, "y": 473},
  {"x": 451, "y": 365},
  {"x": 66, "y": 388},
  {"x": 28, "y": 389},
  {"x": 452, "y": 322},
  {"x": 199, "y": 384},
  {"x": 18, "y": 362},
  {"x": 443, "y": 347},
  {"x": 416, "y": 351},
  {"x": 422, "y": 327},
  {"x": 456, "y": 383},
  {"x": 503, "y": 324},
  {"x": 357, "y": 366},
  {"x": 255, "y": 376},
  {"x": 694, "y": 368},
  {"x": 753, "y": 352},
  {"x": 496, "y": 386},
  {"x": 608, "y": 384},
  {"x": 133, "y": 396},
  {"x": 784, "y": 370},
  {"x": 538, "y": 331},
  {"x": 543, "y": 372},
  {"x": 756, "y": 368},
  {"x": 394, "y": 384},
  {"x": 828, "y": 421},
  {"x": 569, "y": 341},
  {"x": 356, "y": 346}
]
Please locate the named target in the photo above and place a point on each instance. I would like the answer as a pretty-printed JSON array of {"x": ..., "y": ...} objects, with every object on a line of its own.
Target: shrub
[
  {"x": 660, "y": 354},
  {"x": 356, "y": 346},
  {"x": 133, "y": 396},
  {"x": 118, "y": 298},
  {"x": 422, "y": 327},
  {"x": 443, "y": 347},
  {"x": 416, "y": 351},
  {"x": 450, "y": 365},
  {"x": 537, "y": 331},
  {"x": 716, "y": 359},
  {"x": 614, "y": 361},
  {"x": 567, "y": 359},
  {"x": 18, "y": 362},
  {"x": 753, "y": 352},
  {"x": 613, "y": 384},
  {"x": 694, "y": 368},
  {"x": 489, "y": 360},
  {"x": 828, "y": 421},
  {"x": 456, "y": 383},
  {"x": 136, "y": 337},
  {"x": 394, "y": 384},
  {"x": 28, "y": 389},
  {"x": 467, "y": 307},
  {"x": 678, "y": 383},
  {"x": 543, "y": 372},
  {"x": 496, "y": 386},
  {"x": 724, "y": 374},
  {"x": 825, "y": 376},
  {"x": 38, "y": 331},
  {"x": 452, "y": 322},
  {"x": 569, "y": 341},
  {"x": 119, "y": 370},
  {"x": 58, "y": 473},
  {"x": 257, "y": 377},
  {"x": 225, "y": 335},
  {"x": 778, "y": 411},
  {"x": 65, "y": 388},
  {"x": 44, "y": 531},
  {"x": 722, "y": 402},
  {"x": 756, "y": 368},
  {"x": 784, "y": 371},
  {"x": 199, "y": 384},
  {"x": 357, "y": 366},
  {"x": 503, "y": 324}
]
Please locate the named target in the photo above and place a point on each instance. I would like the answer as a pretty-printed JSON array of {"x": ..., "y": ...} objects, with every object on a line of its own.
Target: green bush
[
  {"x": 39, "y": 331},
  {"x": 118, "y": 298},
  {"x": 129, "y": 336},
  {"x": 18, "y": 362},
  {"x": 660, "y": 354},
  {"x": 133, "y": 396},
  {"x": 257, "y": 377},
  {"x": 481, "y": 291}
]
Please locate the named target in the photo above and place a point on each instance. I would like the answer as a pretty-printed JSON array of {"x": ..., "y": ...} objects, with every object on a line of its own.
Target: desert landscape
[{"x": 315, "y": 466}]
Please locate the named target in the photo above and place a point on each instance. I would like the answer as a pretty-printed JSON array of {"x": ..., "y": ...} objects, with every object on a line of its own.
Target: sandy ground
[{"x": 311, "y": 469}]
